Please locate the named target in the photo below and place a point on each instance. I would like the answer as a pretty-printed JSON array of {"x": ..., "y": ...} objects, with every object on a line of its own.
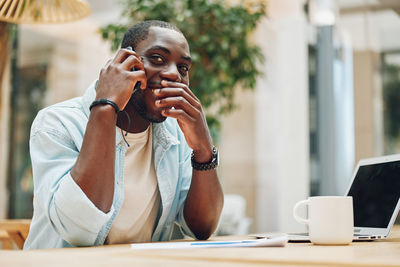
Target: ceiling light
[{"x": 43, "y": 11}]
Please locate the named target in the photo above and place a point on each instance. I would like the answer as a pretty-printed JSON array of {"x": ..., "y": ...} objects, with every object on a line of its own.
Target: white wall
[
  {"x": 5, "y": 106},
  {"x": 377, "y": 31},
  {"x": 371, "y": 33},
  {"x": 281, "y": 115}
]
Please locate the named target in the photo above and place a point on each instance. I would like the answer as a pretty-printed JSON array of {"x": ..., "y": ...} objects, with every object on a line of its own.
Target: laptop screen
[{"x": 375, "y": 191}]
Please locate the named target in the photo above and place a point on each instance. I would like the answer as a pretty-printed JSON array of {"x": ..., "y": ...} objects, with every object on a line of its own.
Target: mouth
[
  {"x": 151, "y": 86},
  {"x": 154, "y": 85}
]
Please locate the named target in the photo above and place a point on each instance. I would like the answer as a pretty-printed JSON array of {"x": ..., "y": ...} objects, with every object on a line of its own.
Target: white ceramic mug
[{"x": 330, "y": 219}]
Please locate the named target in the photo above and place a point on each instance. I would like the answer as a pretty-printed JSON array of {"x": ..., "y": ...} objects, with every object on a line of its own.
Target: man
[{"x": 105, "y": 176}]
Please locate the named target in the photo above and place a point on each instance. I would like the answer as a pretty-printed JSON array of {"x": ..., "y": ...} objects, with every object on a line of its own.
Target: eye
[
  {"x": 183, "y": 69},
  {"x": 157, "y": 59}
]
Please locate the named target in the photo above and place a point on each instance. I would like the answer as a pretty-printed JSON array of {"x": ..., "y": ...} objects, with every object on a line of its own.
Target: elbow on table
[
  {"x": 203, "y": 230},
  {"x": 79, "y": 241},
  {"x": 203, "y": 235},
  {"x": 75, "y": 234},
  {"x": 203, "y": 221}
]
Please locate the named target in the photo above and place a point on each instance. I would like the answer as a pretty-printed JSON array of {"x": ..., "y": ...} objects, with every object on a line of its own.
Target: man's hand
[
  {"x": 117, "y": 81},
  {"x": 189, "y": 113}
]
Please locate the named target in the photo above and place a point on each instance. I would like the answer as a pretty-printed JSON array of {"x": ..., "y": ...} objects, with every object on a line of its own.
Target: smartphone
[{"x": 137, "y": 85}]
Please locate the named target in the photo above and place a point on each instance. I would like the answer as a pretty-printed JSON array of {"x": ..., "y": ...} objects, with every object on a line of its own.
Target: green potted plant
[{"x": 223, "y": 58}]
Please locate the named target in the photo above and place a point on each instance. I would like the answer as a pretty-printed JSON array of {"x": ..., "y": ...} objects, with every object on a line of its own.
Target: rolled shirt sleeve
[
  {"x": 59, "y": 201},
  {"x": 75, "y": 217}
]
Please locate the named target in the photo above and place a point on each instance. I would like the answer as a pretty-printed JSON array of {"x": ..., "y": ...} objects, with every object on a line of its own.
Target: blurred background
[{"x": 327, "y": 96}]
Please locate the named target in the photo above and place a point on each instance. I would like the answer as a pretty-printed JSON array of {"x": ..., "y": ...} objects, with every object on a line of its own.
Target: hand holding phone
[
  {"x": 137, "y": 85},
  {"x": 116, "y": 78}
]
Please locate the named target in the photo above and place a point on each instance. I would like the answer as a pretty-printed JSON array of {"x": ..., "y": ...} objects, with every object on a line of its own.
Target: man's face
[{"x": 166, "y": 56}]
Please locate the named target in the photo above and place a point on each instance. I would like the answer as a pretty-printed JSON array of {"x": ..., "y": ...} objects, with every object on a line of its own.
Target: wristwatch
[{"x": 211, "y": 165}]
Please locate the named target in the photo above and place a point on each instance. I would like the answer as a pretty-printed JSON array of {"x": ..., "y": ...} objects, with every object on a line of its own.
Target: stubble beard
[{"x": 138, "y": 102}]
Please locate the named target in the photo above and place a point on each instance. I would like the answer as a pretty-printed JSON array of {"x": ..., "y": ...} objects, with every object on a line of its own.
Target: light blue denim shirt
[{"x": 63, "y": 215}]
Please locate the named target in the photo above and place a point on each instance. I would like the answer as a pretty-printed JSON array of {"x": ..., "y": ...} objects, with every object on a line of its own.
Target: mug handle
[{"x": 295, "y": 211}]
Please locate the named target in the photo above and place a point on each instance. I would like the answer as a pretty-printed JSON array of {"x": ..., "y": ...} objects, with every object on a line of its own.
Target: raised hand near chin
[{"x": 188, "y": 111}]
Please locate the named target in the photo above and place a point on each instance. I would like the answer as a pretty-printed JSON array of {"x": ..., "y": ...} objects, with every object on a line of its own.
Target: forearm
[
  {"x": 94, "y": 168},
  {"x": 204, "y": 203},
  {"x": 204, "y": 200}
]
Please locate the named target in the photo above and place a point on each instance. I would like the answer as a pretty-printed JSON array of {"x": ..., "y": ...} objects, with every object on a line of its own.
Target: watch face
[{"x": 215, "y": 155}]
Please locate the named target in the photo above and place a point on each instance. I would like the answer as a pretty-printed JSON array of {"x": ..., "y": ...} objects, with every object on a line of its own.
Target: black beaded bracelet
[
  {"x": 104, "y": 101},
  {"x": 211, "y": 165}
]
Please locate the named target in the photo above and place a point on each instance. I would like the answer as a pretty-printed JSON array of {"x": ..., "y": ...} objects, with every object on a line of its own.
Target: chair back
[{"x": 14, "y": 232}]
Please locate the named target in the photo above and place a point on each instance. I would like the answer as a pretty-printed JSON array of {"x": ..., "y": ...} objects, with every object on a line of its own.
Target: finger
[
  {"x": 122, "y": 54},
  {"x": 178, "y": 114},
  {"x": 178, "y": 102},
  {"x": 139, "y": 76},
  {"x": 106, "y": 66},
  {"x": 132, "y": 62},
  {"x": 166, "y": 83},
  {"x": 171, "y": 92}
]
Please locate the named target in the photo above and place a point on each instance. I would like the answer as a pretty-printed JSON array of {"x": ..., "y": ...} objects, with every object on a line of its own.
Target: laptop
[{"x": 375, "y": 188}]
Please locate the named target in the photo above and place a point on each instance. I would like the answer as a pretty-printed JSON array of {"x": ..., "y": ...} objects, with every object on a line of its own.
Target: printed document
[{"x": 276, "y": 241}]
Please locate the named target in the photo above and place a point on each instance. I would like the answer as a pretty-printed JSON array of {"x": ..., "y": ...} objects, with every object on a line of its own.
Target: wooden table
[
  {"x": 13, "y": 231},
  {"x": 377, "y": 253}
]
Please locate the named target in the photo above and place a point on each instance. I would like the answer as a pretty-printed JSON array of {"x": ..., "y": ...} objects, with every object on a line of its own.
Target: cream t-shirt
[{"x": 136, "y": 219}]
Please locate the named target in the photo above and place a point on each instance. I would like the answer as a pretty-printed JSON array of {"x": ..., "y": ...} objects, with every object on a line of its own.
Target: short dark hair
[{"x": 140, "y": 31}]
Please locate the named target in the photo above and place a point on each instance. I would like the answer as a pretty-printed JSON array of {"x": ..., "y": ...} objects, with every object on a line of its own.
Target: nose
[{"x": 171, "y": 73}]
